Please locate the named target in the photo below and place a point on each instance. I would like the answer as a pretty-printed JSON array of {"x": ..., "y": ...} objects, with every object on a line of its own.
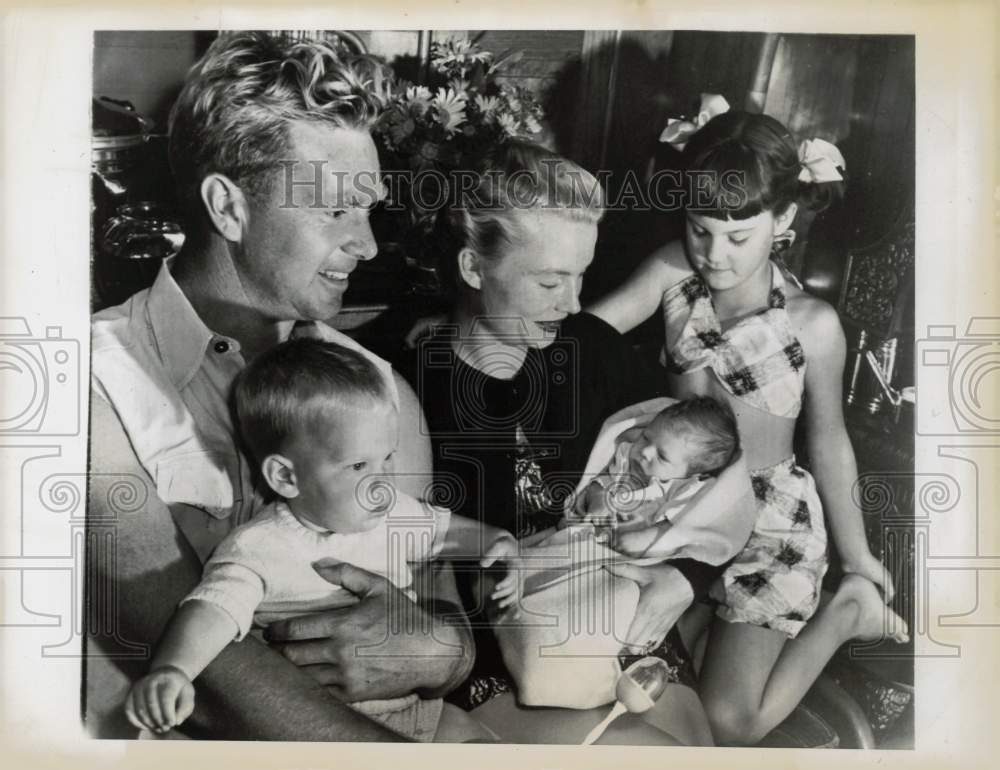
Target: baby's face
[
  {"x": 343, "y": 468},
  {"x": 659, "y": 453}
]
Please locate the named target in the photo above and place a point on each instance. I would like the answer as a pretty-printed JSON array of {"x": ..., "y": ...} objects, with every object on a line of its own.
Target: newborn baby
[{"x": 656, "y": 470}]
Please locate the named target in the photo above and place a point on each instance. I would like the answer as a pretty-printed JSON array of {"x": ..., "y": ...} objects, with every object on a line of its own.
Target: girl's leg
[
  {"x": 754, "y": 677},
  {"x": 679, "y": 713}
]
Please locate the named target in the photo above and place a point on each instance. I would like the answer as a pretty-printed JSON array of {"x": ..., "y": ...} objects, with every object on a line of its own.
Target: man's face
[{"x": 303, "y": 240}]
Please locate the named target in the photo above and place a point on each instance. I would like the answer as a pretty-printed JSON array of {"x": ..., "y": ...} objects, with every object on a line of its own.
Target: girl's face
[
  {"x": 525, "y": 293},
  {"x": 727, "y": 253}
]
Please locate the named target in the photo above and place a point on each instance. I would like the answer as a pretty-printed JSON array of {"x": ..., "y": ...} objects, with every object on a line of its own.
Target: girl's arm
[
  {"x": 830, "y": 451},
  {"x": 637, "y": 299}
]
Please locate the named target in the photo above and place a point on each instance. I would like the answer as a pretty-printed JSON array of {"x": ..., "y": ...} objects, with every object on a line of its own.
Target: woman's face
[{"x": 528, "y": 290}]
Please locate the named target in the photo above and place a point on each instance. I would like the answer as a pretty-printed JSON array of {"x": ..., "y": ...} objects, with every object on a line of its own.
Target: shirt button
[{"x": 221, "y": 346}]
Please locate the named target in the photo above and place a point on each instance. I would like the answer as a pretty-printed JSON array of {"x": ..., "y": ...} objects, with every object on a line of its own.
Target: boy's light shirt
[{"x": 263, "y": 571}]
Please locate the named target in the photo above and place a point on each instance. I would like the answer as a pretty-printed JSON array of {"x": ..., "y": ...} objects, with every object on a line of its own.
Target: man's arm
[{"x": 248, "y": 691}]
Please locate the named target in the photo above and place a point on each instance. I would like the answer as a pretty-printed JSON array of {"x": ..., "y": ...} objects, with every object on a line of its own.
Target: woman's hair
[
  {"x": 295, "y": 385},
  {"x": 233, "y": 113},
  {"x": 740, "y": 164},
  {"x": 709, "y": 426},
  {"x": 516, "y": 176}
]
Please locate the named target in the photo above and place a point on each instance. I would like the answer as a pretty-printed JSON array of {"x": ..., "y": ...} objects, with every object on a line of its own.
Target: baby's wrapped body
[
  {"x": 629, "y": 510},
  {"x": 562, "y": 649}
]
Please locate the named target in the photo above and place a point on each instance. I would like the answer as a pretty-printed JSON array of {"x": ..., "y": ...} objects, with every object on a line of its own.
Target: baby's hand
[
  {"x": 507, "y": 592},
  {"x": 160, "y": 700}
]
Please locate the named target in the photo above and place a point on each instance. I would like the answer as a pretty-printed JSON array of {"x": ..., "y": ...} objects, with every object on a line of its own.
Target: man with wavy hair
[{"x": 276, "y": 172}]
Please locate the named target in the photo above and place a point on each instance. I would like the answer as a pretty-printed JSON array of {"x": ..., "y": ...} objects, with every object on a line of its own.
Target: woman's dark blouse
[
  {"x": 508, "y": 452},
  {"x": 559, "y": 398}
]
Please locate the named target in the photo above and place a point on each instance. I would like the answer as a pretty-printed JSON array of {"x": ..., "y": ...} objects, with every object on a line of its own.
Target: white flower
[
  {"x": 419, "y": 96},
  {"x": 532, "y": 125},
  {"x": 487, "y": 105},
  {"x": 507, "y": 123},
  {"x": 450, "y": 109}
]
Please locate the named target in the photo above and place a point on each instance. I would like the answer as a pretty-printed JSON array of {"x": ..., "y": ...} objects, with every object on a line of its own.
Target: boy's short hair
[
  {"x": 293, "y": 385},
  {"x": 710, "y": 426}
]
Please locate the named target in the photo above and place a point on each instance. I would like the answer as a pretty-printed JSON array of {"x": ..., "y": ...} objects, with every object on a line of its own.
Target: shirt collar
[{"x": 182, "y": 338}]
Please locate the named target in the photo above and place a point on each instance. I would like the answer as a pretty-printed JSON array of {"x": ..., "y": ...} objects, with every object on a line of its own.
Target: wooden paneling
[
  {"x": 811, "y": 88},
  {"x": 143, "y": 67}
]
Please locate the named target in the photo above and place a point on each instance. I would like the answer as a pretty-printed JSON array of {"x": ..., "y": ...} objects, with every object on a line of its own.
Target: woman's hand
[
  {"x": 870, "y": 567},
  {"x": 664, "y": 594}
]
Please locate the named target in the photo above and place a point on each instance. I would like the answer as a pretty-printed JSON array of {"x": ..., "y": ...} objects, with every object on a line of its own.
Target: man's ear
[
  {"x": 784, "y": 220},
  {"x": 226, "y": 206},
  {"x": 279, "y": 472},
  {"x": 470, "y": 268}
]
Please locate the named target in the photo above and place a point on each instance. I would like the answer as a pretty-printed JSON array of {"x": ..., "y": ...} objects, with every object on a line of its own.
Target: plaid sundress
[{"x": 775, "y": 581}]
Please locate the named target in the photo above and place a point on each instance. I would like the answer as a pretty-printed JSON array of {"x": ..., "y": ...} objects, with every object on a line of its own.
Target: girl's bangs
[{"x": 727, "y": 183}]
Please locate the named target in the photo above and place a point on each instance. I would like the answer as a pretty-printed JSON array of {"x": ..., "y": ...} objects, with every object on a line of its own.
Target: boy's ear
[
  {"x": 226, "y": 206},
  {"x": 784, "y": 220},
  {"x": 470, "y": 268},
  {"x": 279, "y": 472}
]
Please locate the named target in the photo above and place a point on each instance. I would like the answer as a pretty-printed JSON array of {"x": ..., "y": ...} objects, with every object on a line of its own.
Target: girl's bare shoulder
[
  {"x": 671, "y": 263},
  {"x": 815, "y": 321}
]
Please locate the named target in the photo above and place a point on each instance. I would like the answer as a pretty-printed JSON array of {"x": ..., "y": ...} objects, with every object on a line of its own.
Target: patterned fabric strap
[{"x": 758, "y": 359}]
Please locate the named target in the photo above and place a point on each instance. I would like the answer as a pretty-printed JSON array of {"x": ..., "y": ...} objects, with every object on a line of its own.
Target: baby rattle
[{"x": 637, "y": 690}]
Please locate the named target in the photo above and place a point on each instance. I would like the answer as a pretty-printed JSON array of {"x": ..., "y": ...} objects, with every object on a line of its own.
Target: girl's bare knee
[{"x": 734, "y": 724}]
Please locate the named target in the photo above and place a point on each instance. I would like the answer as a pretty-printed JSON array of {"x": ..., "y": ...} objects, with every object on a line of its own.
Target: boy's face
[
  {"x": 660, "y": 453},
  {"x": 342, "y": 468}
]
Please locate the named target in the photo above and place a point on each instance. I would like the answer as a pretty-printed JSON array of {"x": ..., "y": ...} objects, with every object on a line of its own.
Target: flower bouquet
[{"x": 430, "y": 133}]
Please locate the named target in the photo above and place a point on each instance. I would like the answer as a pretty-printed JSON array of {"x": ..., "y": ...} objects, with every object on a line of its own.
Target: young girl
[{"x": 738, "y": 330}]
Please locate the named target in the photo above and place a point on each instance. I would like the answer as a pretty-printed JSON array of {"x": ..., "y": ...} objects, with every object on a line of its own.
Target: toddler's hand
[
  {"x": 507, "y": 592},
  {"x": 160, "y": 700}
]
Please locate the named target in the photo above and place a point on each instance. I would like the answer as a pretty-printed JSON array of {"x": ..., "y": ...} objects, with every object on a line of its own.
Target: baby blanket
[{"x": 562, "y": 648}]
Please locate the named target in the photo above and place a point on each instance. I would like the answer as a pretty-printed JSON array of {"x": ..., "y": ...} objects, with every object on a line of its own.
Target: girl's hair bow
[
  {"x": 820, "y": 161},
  {"x": 678, "y": 132}
]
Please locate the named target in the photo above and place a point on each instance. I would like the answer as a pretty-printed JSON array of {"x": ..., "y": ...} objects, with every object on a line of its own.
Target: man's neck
[{"x": 211, "y": 284}]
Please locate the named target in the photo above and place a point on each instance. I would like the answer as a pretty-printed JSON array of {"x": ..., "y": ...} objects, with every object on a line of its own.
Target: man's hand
[{"x": 383, "y": 646}]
